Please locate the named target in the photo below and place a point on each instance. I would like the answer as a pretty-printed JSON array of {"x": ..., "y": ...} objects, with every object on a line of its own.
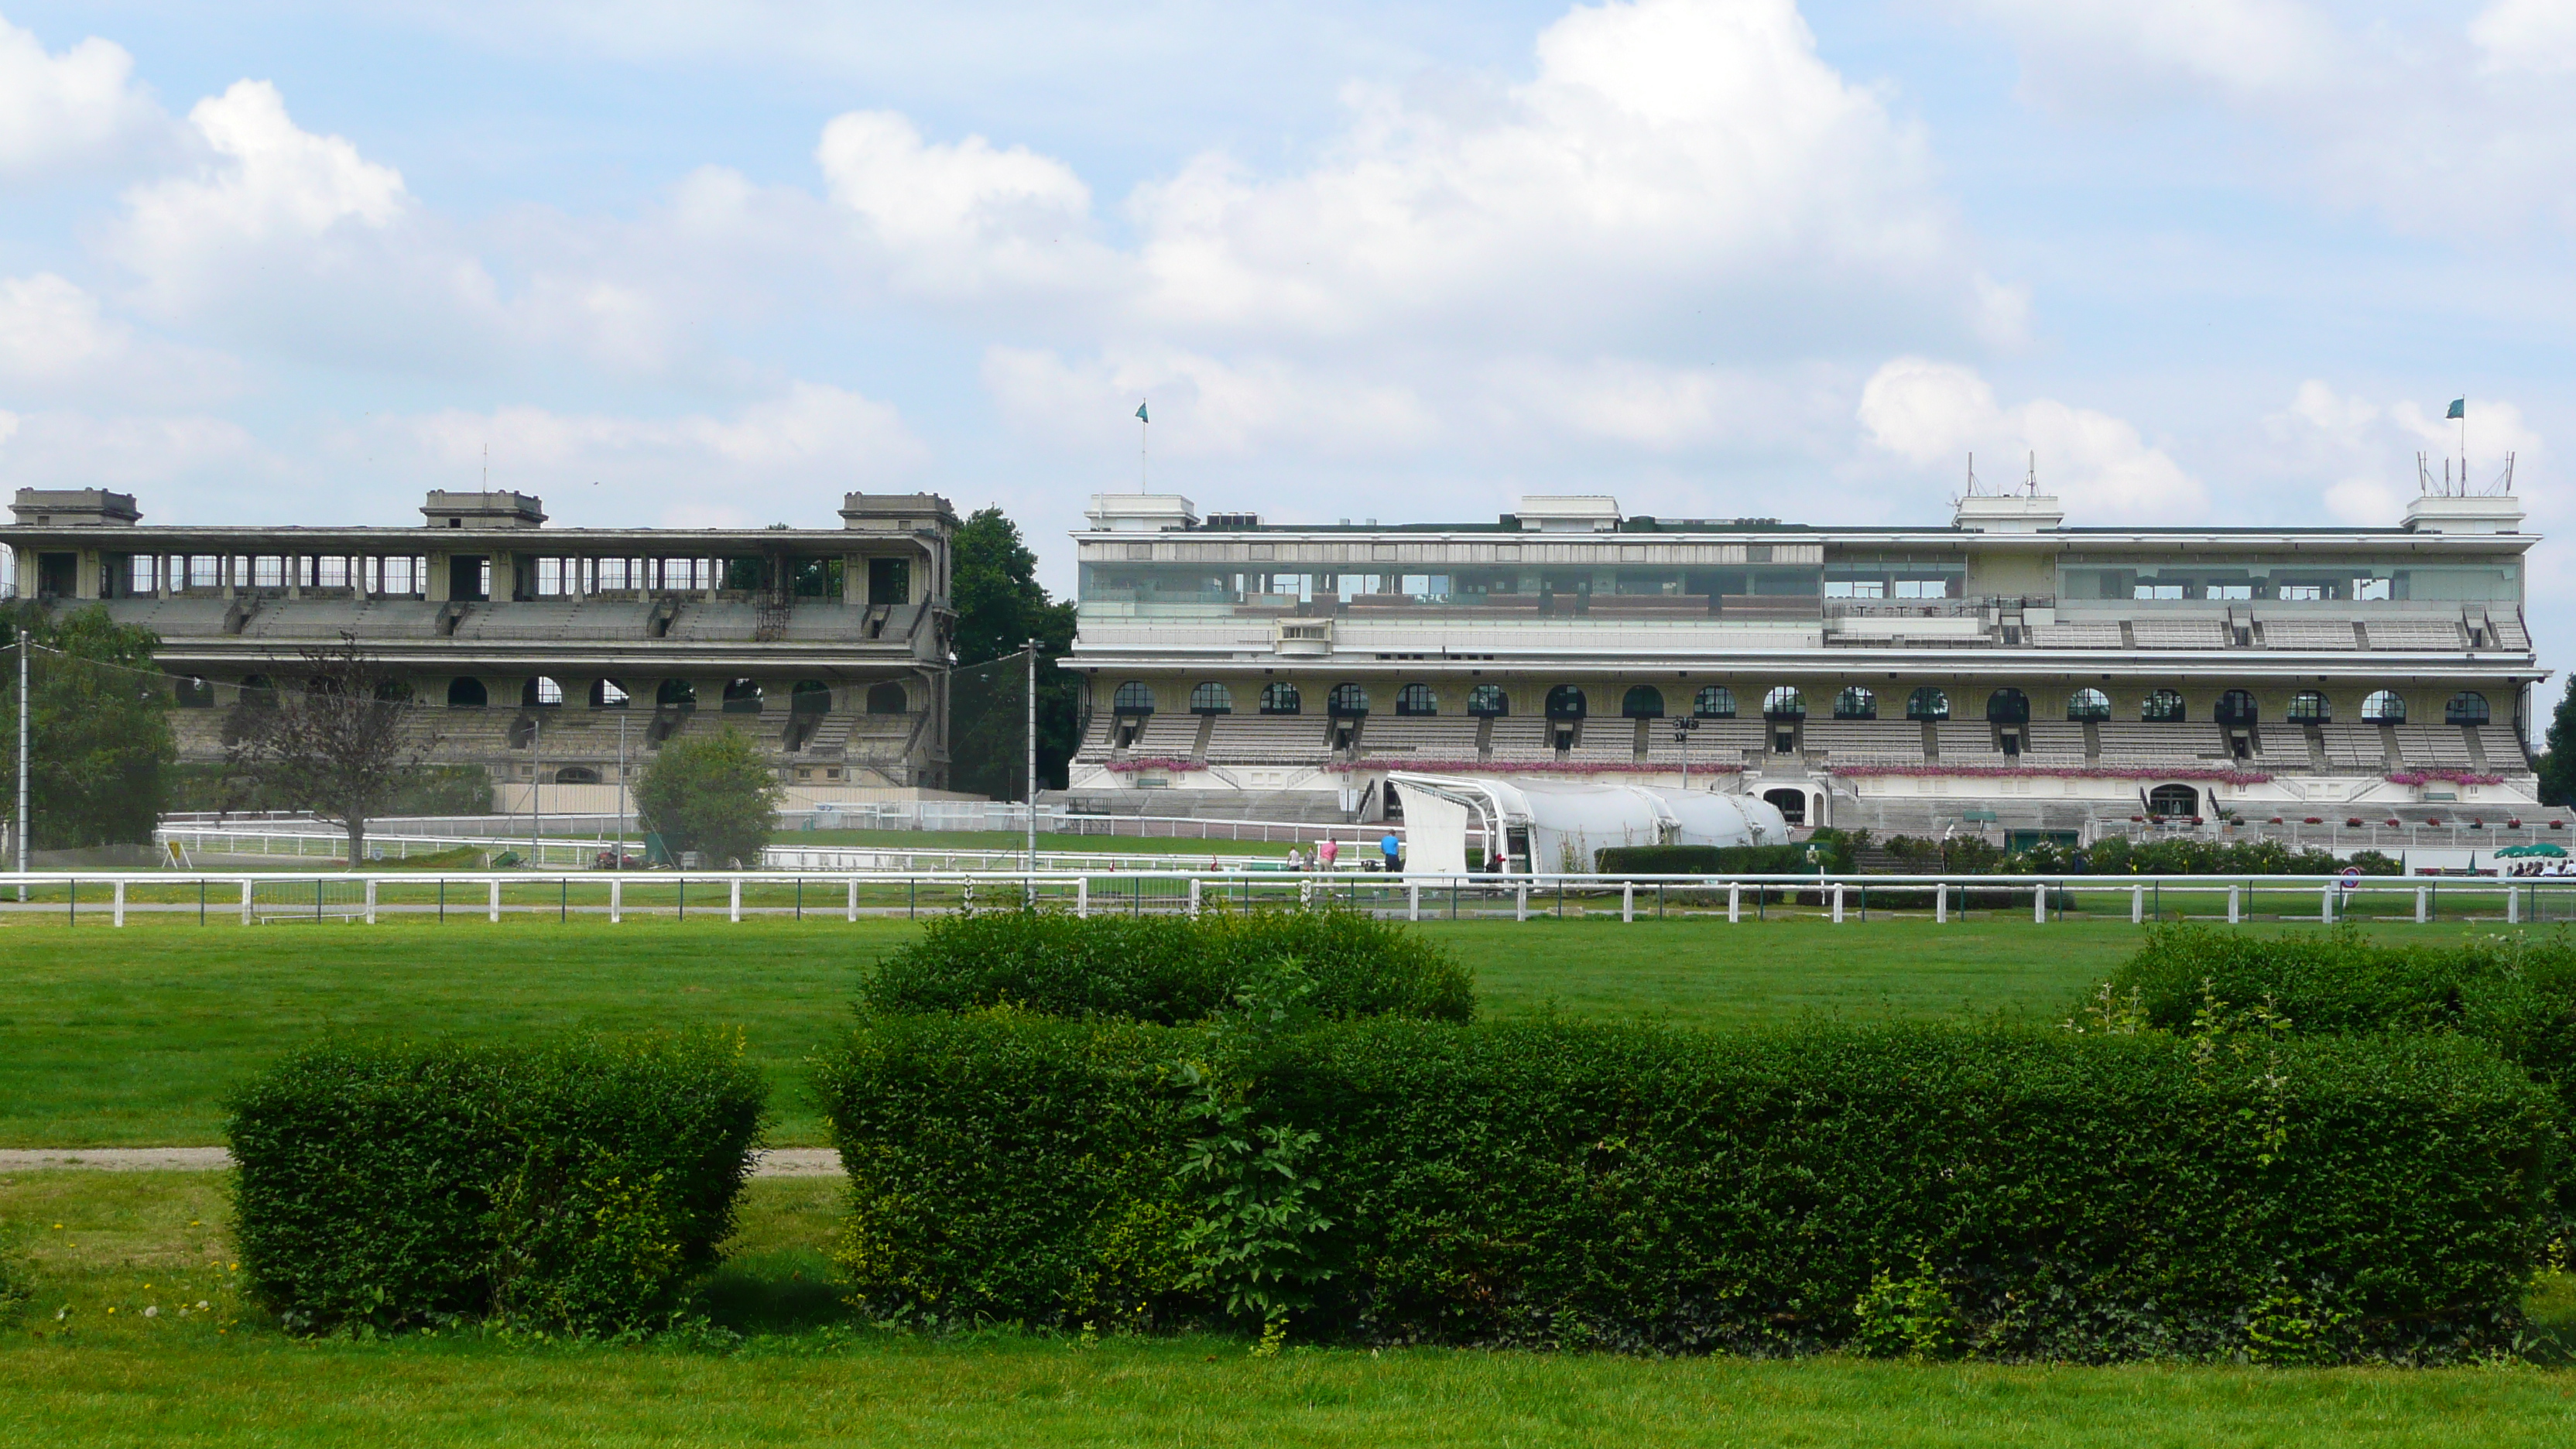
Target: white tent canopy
[{"x": 1561, "y": 825}]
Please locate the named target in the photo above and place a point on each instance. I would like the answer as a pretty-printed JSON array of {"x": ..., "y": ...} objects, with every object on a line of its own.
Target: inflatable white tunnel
[{"x": 1554, "y": 827}]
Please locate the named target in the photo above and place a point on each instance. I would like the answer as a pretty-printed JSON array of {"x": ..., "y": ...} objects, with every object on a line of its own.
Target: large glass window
[
  {"x": 1784, "y": 702},
  {"x": 2466, "y": 708},
  {"x": 2007, "y": 706},
  {"x": 1855, "y": 703},
  {"x": 1133, "y": 697},
  {"x": 1347, "y": 701},
  {"x": 2309, "y": 707},
  {"x": 2086, "y": 704},
  {"x": 541, "y": 693},
  {"x": 1642, "y": 702},
  {"x": 2287, "y": 580},
  {"x": 2236, "y": 707},
  {"x": 1565, "y": 702},
  {"x": 2384, "y": 706},
  {"x": 1416, "y": 699},
  {"x": 1927, "y": 703},
  {"x": 461, "y": 693},
  {"x": 1487, "y": 701},
  {"x": 1861, "y": 577},
  {"x": 1211, "y": 698},
  {"x": 2163, "y": 706},
  {"x": 1279, "y": 698},
  {"x": 1714, "y": 701}
]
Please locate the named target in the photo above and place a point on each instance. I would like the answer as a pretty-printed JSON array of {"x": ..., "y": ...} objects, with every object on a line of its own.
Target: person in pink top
[{"x": 1325, "y": 852}]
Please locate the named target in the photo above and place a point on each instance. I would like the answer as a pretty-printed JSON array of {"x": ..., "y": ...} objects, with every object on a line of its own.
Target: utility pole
[
  {"x": 23, "y": 736},
  {"x": 536, "y": 782},
  {"x": 1033, "y": 754},
  {"x": 617, "y": 855}
]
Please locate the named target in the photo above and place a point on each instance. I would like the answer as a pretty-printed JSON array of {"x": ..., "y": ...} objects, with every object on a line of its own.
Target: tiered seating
[
  {"x": 2308, "y": 634},
  {"x": 2415, "y": 634},
  {"x": 1094, "y": 749},
  {"x": 2136, "y": 744},
  {"x": 2503, "y": 749},
  {"x": 2436, "y": 747},
  {"x": 193, "y": 617},
  {"x": 2354, "y": 749},
  {"x": 1650, "y": 606},
  {"x": 1166, "y": 736},
  {"x": 825, "y": 619},
  {"x": 546, "y": 619},
  {"x": 1605, "y": 742},
  {"x": 1967, "y": 744},
  {"x": 2076, "y": 636},
  {"x": 1866, "y": 742},
  {"x": 726, "y": 620},
  {"x": 1258, "y": 739},
  {"x": 2179, "y": 633},
  {"x": 2508, "y": 632},
  {"x": 1522, "y": 740},
  {"x": 2053, "y": 744},
  {"x": 1716, "y": 741},
  {"x": 1424, "y": 737}
]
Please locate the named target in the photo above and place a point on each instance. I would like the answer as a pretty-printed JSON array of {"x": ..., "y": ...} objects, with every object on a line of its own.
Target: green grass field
[{"x": 134, "y": 1036}]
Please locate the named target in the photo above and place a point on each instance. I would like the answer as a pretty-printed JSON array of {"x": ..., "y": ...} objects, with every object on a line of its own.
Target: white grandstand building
[{"x": 2007, "y": 671}]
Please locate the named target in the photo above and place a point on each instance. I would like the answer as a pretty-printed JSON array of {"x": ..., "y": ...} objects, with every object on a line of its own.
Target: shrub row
[
  {"x": 1166, "y": 969},
  {"x": 2006, "y": 1193},
  {"x": 572, "y": 1188},
  {"x": 1833, "y": 853}
]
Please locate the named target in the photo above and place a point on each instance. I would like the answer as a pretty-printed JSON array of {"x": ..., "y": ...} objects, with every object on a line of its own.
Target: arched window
[
  {"x": 576, "y": 775},
  {"x": 1792, "y": 804},
  {"x": 394, "y": 691},
  {"x": 608, "y": 694},
  {"x": 2086, "y": 704},
  {"x": 1855, "y": 703},
  {"x": 742, "y": 696},
  {"x": 2466, "y": 708},
  {"x": 2163, "y": 706},
  {"x": 1487, "y": 701},
  {"x": 1211, "y": 698},
  {"x": 810, "y": 696},
  {"x": 2173, "y": 800},
  {"x": 1565, "y": 702},
  {"x": 461, "y": 693},
  {"x": 1927, "y": 703},
  {"x": 1280, "y": 698},
  {"x": 2007, "y": 706},
  {"x": 1784, "y": 703},
  {"x": 540, "y": 693},
  {"x": 1643, "y": 702},
  {"x": 2384, "y": 706},
  {"x": 888, "y": 698},
  {"x": 2236, "y": 707},
  {"x": 676, "y": 694},
  {"x": 1347, "y": 701},
  {"x": 2309, "y": 707},
  {"x": 1133, "y": 697},
  {"x": 196, "y": 693},
  {"x": 1416, "y": 699},
  {"x": 1714, "y": 701}
]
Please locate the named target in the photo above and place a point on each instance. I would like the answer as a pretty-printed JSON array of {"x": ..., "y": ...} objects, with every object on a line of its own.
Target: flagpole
[{"x": 1143, "y": 422}]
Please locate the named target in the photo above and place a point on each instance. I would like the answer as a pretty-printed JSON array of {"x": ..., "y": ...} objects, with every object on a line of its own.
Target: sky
[{"x": 2197, "y": 261}]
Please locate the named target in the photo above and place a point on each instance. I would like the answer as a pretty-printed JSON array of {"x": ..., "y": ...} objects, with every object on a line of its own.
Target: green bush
[
  {"x": 1166, "y": 969},
  {"x": 2004, "y": 1193},
  {"x": 711, "y": 793},
  {"x": 1833, "y": 855},
  {"x": 574, "y": 1187}
]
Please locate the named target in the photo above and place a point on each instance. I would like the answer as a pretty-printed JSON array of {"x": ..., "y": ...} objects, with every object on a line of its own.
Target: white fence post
[
  {"x": 1194, "y": 898},
  {"x": 1627, "y": 902},
  {"x": 2235, "y": 910},
  {"x": 2137, "y": 905},
  {"x": 496, "y": 898},
  {"x": 2039, "y": 904},
  {"x": 2325, "y": 912},
  {"x": 1838, "y": 903},
  {"x": 2423, "y": 902},
  {"x": 245, "y": 901},
  {"x": 120, "y": 901},
  {"x": 1082, "y": 897},
  {"x": 2512, "y": 904},
  {"x": 371, "y": 900},
  {"x": 1413, "y": 900},
  {"x": 854, "y": 898},
  {"x": 1520, "y": 902},
  {"x": 616, "y": 898},
  {"x": 1941, "y": 904},
  {"x": 733, "y": 901},
  {"x": 1734, "y": 902}
]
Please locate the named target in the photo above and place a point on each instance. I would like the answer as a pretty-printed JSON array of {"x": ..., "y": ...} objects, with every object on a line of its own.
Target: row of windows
[
  {"x": 741, "y": 696},
  {"x": 1716, "y": 701}
]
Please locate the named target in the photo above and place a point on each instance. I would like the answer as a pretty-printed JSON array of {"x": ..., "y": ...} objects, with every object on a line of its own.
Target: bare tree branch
[{"x": 341, "y": 745}]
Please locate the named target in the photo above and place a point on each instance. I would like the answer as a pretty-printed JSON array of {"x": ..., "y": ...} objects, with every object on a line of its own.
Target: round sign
[{"x": 2351, "y": 878}]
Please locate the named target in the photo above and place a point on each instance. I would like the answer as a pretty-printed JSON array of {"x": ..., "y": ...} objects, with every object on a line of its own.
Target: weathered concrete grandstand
[
  {"x": 829, "y": 647},
  {"x": 2006, "y": 673}
]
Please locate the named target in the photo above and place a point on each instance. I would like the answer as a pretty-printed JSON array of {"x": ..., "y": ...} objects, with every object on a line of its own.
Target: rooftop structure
[
  {"x": 2004, "y": 664},
  {"x": 830, "y": 647}
]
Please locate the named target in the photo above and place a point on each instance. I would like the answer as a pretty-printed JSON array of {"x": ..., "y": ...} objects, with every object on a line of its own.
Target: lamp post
[{"x": 1682, "y": 727}]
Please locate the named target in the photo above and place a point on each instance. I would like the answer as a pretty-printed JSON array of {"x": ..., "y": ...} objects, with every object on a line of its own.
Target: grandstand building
[
  {"x": 2006, "y": 672},
  {"x": 547, "y": 653}
]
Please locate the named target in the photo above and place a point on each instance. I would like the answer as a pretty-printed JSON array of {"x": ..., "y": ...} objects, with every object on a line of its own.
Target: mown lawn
[
  {"x": 802, "y": 1374},
  {"x": 132, "y": 1037}
]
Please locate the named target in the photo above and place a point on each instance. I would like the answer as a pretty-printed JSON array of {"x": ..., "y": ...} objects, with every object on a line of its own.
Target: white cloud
[
  {"x": 159, "y": 454},
  {"x": 51, "y": 331},
  {"x": 956, "y": 218},
  {"x": 2361, "y": 455},
  {"x": 1208, "y": 407},
  {"x": 796, "y": 451},
  {"x": 1936, "y": 413},
  {"x": 63, "y": 111},
  {"x": 2527, "y": 35}
]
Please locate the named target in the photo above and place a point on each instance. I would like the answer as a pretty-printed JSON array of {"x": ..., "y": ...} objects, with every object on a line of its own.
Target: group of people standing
[{"x": 1328, "y": 852}]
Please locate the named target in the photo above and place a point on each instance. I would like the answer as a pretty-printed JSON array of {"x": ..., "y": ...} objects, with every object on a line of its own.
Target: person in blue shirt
[{"x": 1391, "y": 848}]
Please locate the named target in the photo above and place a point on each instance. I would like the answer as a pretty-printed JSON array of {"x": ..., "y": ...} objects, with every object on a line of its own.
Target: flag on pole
[
  {"x": 2459, "y": 409},
  {"x": 1140, "y": 412}
]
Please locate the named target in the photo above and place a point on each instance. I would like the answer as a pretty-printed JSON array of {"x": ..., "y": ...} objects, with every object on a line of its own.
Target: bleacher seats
[
  {"x": 2179, "y": 633},
  {"x": 2136, "y": 744},
  {"x": 1166, "y": 736},
  {"x": 2503, "y": 749},
  {"x": 1421, "y": 736},
  {"x": 2354, "y": 748},
  {"x": 2415, "y": 634},
  {"x": 2050, "y": 744},
  {"x": 1523, "y": 740},
  {"x": 1866, "y": 742},
  {"x": 1094, "y": 749},
  {"x": 1604, "y": 742},
  {"x": 2434, "y": 747},
  {"x": 1967, "y": 744},
  {"x": 1256, "y": 739},
  {"x": 2076, "y": 636},
  {"x": 2308, "y": 634}
]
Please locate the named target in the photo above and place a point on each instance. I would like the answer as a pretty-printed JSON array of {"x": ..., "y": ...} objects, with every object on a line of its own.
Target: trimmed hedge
[
  {"x": 2006, "y": 1193},
  {"x": 574, "y": 1187},
  {"x": 1166, "y": 969},
  {"x": 1834, "y": 855}
]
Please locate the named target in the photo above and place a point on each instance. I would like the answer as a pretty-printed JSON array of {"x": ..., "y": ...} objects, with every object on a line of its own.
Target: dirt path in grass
[{"x": 783, "y": 1162}]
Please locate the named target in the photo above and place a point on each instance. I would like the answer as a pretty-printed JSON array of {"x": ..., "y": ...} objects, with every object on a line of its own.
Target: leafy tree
[
  {"x": 101, "y": 745},
  {"x": 344, "y": 746},
  {"x": 1000, "y": 606},
  {"x": 712, "y": 794},
  {"x": 2558, "y": 760}
]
